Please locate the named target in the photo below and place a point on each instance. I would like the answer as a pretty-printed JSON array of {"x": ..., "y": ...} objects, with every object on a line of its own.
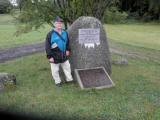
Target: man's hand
[
  {"x": 67, "y": 53},
  {"x": 51, "y": 60}
]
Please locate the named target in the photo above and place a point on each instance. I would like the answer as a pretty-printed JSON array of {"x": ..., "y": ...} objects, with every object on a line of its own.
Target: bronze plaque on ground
[{"x": 93, "y": 78}]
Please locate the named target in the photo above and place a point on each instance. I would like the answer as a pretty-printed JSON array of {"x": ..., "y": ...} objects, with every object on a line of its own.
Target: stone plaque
[{"x": 93, "y": 78}]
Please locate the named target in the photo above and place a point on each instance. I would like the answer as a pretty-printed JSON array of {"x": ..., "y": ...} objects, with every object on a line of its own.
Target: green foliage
[
  {"x": 8, "y": 29},
  {"x": 145, "y": 10},
  {"x": 5, "y": 6},
  {"x": 34, "y": 13},
  {"x": 154, "y": 9},
  {"x": 20, "y": 3},
  {"x": 112, "y": 15}
]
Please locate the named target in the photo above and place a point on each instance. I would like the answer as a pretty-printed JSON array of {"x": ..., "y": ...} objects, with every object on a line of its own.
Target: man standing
[{"x": 58, "y": 50}]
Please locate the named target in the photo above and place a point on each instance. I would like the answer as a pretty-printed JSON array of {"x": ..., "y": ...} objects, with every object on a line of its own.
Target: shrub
[{"x": 113, "y": 15}]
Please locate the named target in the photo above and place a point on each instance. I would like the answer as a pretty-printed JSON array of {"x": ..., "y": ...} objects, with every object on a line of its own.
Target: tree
[
  {"x": 20, "y": 4},
  {"x": 36, "y": 12},
  {"x": 5, "y": 6},
  {"x": 154, "y": 7},
  {"x": 143, "y": 9}
]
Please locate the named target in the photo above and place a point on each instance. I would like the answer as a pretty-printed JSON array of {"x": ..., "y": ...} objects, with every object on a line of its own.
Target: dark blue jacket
[{"x": 56, "y": 53}]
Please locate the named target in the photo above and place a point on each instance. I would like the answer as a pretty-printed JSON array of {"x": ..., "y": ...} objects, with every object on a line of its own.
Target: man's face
[{"x": 58, "y": 25}]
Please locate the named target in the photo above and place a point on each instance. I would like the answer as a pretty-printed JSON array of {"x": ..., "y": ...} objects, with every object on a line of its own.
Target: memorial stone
[{"x": 89, "y": 44}]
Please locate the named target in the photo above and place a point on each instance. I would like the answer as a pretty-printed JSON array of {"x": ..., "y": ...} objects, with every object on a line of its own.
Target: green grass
[
  {"x": 136, "y": 95},
  {"x": 6, "y": 19},
  {"x": 140, "y": 35},
  {"x": 8, "y": 39}
]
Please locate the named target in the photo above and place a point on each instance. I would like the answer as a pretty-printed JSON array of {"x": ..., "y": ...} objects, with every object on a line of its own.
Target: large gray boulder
[
  {"x": 89, "y": 57},
  {"x": 7, "y": 81}
]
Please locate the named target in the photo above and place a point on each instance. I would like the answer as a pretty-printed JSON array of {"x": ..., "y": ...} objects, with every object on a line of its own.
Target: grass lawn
[
  {"x": 136, "y": 95},
  {"x": 6, "y": 19},
  {"x": 8, "y": 39},
  {"x": 140, "y": 35}
]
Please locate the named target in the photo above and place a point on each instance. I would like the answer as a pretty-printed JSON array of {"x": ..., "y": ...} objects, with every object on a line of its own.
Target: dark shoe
[{"x": 59, "y": 85}]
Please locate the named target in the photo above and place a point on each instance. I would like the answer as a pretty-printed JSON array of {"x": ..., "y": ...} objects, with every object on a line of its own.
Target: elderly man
[{"x": 58, "y": 50}]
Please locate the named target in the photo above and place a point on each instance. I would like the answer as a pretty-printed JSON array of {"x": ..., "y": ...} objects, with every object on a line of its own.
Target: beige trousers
[{"x": 66, "y": 69}]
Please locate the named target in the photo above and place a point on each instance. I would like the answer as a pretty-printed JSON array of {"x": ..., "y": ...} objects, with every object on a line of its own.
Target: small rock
[
  {"x": 122, "y": 61},
  {"x": 7, "y": 81}
]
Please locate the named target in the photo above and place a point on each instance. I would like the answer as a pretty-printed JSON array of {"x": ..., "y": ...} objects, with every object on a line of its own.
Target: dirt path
[
  {"x": 13, "y": 53},
  {"x": 135, "y": 52}
]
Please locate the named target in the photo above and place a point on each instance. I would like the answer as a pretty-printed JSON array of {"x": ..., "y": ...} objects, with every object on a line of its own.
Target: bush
[{"x": 112, "y": 15}]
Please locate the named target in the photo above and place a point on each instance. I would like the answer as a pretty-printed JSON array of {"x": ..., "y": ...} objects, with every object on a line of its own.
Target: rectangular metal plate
[
  {"x": 93, "y": 78},
  {"x": 88, "y": 36}
]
